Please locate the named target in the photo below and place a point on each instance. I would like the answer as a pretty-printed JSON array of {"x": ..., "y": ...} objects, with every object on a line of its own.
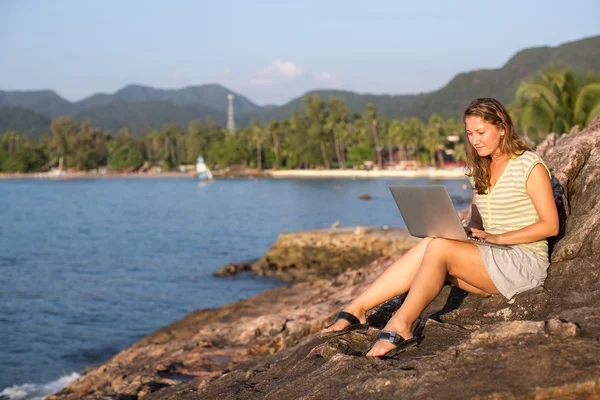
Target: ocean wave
[{"x": 32, "y": 391}]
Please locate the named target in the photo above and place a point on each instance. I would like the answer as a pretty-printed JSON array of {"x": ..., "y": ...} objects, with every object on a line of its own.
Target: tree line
[{"x": 324, "y": 135}]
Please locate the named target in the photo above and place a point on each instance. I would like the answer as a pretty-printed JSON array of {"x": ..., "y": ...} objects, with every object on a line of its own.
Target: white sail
[{"x": 202, "y": 171}]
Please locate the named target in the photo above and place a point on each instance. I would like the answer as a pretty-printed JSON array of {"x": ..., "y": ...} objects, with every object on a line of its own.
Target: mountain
[
  {"x": 211, "y": 95},
  {"x": 384, "y": 104},
  {"x": 582, "y": 56},
  {"x": 138, "y": 116},
  {"x": 206, "y": 98},
  {"x": 137, "y": 106},
  {"x": 23, "y": 120},
  {"x": 45, "y": 102}
]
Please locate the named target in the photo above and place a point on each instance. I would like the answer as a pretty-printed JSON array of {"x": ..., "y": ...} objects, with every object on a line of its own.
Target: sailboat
[{"x": 202, "y": 171}]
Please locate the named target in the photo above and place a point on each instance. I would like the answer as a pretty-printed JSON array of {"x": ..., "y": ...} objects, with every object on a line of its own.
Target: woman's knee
[
  {"x": 437, "y": 246},
  {"x": 425, "y": 241}
]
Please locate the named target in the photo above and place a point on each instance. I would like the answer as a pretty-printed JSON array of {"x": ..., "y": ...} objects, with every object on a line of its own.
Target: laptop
[{"x": 428, "y": 211}]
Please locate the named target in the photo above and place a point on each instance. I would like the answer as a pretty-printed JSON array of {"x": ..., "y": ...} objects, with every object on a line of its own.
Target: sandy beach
[
  {"x": 442, "y": 173},
  {"x": 385, "y": 173}
]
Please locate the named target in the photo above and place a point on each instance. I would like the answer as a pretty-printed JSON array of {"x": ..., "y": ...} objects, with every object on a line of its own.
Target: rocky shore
[
  {"x": 324, "y": 253},
  {"x": 542, "y": 344}
]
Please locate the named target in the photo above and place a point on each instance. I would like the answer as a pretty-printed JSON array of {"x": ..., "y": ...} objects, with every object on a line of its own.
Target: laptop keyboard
[{"x": 476, "y": 239}]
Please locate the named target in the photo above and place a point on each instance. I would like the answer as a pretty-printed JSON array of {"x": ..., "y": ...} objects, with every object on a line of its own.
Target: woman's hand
[{"x": 488, "y": 237}]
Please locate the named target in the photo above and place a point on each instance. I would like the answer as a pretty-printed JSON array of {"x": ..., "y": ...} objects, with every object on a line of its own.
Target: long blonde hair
[{"x": 493, "y": 112}]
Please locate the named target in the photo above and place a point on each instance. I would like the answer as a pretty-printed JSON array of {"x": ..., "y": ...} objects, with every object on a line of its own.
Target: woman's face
[{"x": 483, "y": 136}]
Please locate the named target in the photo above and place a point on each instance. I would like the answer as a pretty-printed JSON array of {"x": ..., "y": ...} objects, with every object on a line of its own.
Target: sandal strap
[
  {"x": 347, "y": 316},
  {"x": 389, "y": 336}
]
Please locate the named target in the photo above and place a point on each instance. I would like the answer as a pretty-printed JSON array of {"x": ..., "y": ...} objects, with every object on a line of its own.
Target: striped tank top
[{"x": 507, "y": 207}]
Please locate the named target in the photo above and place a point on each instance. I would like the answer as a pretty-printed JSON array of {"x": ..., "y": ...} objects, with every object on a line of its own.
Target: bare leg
[
  {"x": 442, "y": 257},
  {"x": 465, "y": 286},
  {"x": 394, "y": 281}
]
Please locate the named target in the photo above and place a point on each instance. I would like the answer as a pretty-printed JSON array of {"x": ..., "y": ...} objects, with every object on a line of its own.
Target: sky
[{"x": 272, "y": 51}]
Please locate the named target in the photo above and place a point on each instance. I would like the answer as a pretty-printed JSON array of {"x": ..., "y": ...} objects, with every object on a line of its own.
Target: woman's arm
[{"x": 539, "y": 189}]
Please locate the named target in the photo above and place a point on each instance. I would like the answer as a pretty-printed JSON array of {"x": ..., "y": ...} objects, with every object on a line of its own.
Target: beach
[{"x": 431, "y": 173}]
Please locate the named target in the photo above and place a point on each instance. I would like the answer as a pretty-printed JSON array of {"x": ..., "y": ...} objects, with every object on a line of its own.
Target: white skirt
[{"x": 513, "y": 270}]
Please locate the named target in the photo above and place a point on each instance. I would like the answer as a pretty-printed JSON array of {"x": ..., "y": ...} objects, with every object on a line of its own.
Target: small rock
[
  {"x": 364, "y": 196},
  {"x": 161, "y": 368},
  {"x": 562, "y": 328},
  {"x": 203, "y": 384},
  {"x": 233, "y": 269}
]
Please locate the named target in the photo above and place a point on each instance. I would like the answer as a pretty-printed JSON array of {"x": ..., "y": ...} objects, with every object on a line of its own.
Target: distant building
[{"x": 230, "y": 116}]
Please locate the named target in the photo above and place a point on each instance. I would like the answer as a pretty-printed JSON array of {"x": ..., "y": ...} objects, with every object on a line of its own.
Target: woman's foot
[
  {"x": 342, "y": 323},
  {"x": 382, "y": 347}
]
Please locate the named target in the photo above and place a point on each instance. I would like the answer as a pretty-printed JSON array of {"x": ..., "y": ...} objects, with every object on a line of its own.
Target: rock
[
  {"x": 365, "y": 196},
  {"x": 562, "y": 328},
  {"x": 324, "y": 253},
  {"x": 233, "y": 269}
]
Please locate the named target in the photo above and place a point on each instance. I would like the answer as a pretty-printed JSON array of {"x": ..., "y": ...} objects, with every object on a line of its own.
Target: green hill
[
  {"x": 210, "y": 95},
  {"x": 147, "y": 114},
  {"x": 384, "y": 104},
  {"x": 582, "y": 56},
  {"x": 45, "y": 102},
  {"x": 23, "y": 120}
]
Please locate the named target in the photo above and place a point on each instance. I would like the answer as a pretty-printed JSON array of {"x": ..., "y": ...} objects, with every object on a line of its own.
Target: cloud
[
  {"x": 324, "y": 76},
  {"x": 326, "y": 79},
  {"x": 277, "y": 72},
  {"x": 286, "y": 68},
  {"x": 280, "y": 80}
]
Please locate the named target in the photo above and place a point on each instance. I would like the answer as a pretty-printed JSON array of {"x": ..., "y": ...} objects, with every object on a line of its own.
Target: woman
[{"x": 512, "y": 190}]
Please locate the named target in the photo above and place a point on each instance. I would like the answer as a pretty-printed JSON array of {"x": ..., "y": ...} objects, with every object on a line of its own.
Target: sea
[{"x": 90, "y": 266}]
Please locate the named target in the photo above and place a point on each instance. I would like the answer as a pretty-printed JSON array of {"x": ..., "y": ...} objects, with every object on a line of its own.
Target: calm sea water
[{"x": 87, "y": 267}]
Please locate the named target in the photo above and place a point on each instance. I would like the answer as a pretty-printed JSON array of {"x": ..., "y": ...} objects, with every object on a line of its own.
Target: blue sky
[{"x": 272, "y": 51}]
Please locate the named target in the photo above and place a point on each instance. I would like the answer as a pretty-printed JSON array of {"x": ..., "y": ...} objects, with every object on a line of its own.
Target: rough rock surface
[
  {"x": 543, "y": 344},
  {"x": 324, "y": 253}
]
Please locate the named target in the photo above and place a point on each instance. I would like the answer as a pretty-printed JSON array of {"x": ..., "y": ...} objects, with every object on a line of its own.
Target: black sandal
[
  {"x": 354, "y": 326},
  {"x": 400, "y": 343}
]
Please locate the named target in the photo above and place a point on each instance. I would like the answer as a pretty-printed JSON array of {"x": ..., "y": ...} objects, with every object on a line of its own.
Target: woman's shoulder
[
  {"x": 529, "y": 155},
  {"x": 527, "y": 158}
]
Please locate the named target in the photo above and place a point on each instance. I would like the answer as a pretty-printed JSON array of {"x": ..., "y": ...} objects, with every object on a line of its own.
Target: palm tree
[
  {"x": 316, "y": 112},
  {"x": 433, "y": 135},
  {"x": 371, "y": 117},
  {"x": 63, "y": 130},
  {"x": 257, "y": 131},
  {"x": 336, "y": 124},
  {"x": 272, "y": 132},
  {"x": 395, "y": 134},
  {"x": 555, "y": 101}
]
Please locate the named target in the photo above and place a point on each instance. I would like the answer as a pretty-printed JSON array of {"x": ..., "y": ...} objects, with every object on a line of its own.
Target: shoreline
[
  {"x": 370, "y": 174},
  {"x": 90, "y": 175},
  {"x": 432, "y": 173}
]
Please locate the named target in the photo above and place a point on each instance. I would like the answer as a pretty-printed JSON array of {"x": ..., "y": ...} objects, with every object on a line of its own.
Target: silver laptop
[{"x": 428, "y": 211}]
